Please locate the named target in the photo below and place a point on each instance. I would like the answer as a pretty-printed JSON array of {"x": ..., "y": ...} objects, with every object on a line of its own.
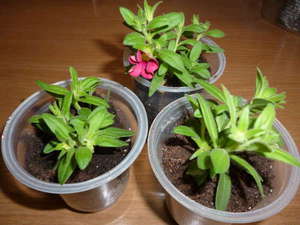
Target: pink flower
[{"x": 143, "y": 65}]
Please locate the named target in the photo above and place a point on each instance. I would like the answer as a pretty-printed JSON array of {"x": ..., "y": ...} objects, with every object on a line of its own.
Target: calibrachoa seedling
[
  {"x": 77, "y": 121},
  {"x": 164, "y": 46},
  {"x": 227, "y": 126}
]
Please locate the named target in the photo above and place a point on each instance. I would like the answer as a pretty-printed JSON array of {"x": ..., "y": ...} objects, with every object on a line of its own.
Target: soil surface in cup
[
  {"x": 42, "y": 165},
  {"x": 245, "y": 195}
]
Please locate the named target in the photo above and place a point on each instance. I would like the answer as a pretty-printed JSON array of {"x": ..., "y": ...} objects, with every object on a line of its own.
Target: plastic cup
[
  {"x": 164, "y": 95},
  {"x": 188, "y": 212},
  {"x": 91, "y": 195}
]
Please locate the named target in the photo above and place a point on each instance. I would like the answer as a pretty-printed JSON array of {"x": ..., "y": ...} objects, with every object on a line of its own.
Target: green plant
[
  {"x": 77, "y": 122},
  {"x": 227, "y": 126},
  {"x": 167, "y": 41}
]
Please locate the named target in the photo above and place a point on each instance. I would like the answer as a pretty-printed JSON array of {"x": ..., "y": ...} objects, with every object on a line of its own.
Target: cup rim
[
  {"x": 27, "y": 179},
  {"x": 222, "y": 216}
]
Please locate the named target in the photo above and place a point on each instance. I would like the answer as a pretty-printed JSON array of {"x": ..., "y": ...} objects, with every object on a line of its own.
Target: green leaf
[
  {"x": 244, "y": 119},
  {"x": 53, "y": 89},
  {"x": 83, "y": 156},
  {"x": 196, "y": 51},
  {"x": 106, "y": 141},
  {"x": 202, "y": 72},
  {"x": 134, "y": 39},
  {"x": 35, "y": 119},
  {"x": 209, "y": 120},
  {"x": 229, "y": 101},
  {"x": 266, "y": 118},
  {"x": 186, "y": 131},
  {"x": 196, "y": 28},
  {"x": 169, "y": 20},
  {"x": 154, "y": 7},
  {"x": 185, "y": 78},
  {"x": 215, "y": 33},
  {"x": 89, "y": 83},
  {"x": 94, "y": 100},
  {"x": 172, "y": 59},
  {"x": 66, "y": 167},
  {"x": 204, "y": 160},
  {"x": 50, "y": 147},
  {"x": 97, "y": 120},
  {"x": 220, "y": 160},
  {"x": 128, "y": 16},
  {"x": 251, "y": 170},
  {"x": 191, "y": 42},
  {"x": 221, "y": 121},
  {"x": 212, "y": 90},
  {"x": 74, "y": 79},
  {"x": 84, "y": 113},
  {"x": 223, "y": 192},
  {"x": 283, "y": 156},
  {"x": 78, "y": 126},
  {"x": 116, "y": 132},
  {"x": 57, "y": 126},
  {"x": 66, "y": 106},
  {"x": 158, "y": 79}
]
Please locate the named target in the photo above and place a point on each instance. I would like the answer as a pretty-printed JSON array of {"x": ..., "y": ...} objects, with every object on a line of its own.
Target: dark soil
[
  {"x": 42, "y": 165},
  {"x": 245, "y": 194}
]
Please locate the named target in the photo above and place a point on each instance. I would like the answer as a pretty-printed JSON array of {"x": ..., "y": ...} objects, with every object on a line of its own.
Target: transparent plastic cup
[
  {"x": 188, "y": 212},
  {"x": 164, "y": 95},
  {"x": 91, "y": 195}
]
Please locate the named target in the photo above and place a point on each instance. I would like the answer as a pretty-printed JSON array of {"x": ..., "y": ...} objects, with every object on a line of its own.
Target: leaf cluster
[
  {"x": 77, "y": 122},
  {"x": 177, "y": 46},
  {"x": 227, "y": 126}
]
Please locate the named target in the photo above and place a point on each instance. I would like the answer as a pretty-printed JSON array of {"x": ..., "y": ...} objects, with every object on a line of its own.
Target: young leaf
[
  {"x": 89, "y": 83},
  {"x": 106, "y": 141},
  {"x": 66, "y": 167},
  {"x": 67, "y": 101},
  {"x": 156, "y": 82},
  {"x": 74, "y": 78},
  {"x": 220, "y": 160},
  {"x": 196, "y": 51},
  {"x": 251, "y": 170},
  {"x": 169, "y": 20},
  {"x": 186, "y": 131},
  {"x": 78, "y": 126},
  {"x": 97, "y": 120},
  {"x": 223, "y": 192},
  {"x": 94, "y": 100},
  {"x": 53, "y": 89},
  {"x": 50, "y": 147},
  {"x": 196, "y": 28},
  {"x": 128, "y": 16},
  {"x": 244, "y": 119},
  {"x": 229, "y": 101},
  {"x": 84, "y": 113},
  {"x": 134, "y": 39},
  {"x": 83, "y": 156},
  {"x": 266, "y": 118},
  {"x": 208, "y": 119},
  {"x": 211, "y": 89},
  {"x": 215, "y": 33},
  {"x": 116, "y": 132},
  {"x": 57, "y": 126},
  {"x": 204, "y": 160},
  {"x": 283, "y": 156},
  {"x": 172, "y": 59}
]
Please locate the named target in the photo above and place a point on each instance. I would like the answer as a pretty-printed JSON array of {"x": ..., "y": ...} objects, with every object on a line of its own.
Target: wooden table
[{"x": 40, "y": 39}]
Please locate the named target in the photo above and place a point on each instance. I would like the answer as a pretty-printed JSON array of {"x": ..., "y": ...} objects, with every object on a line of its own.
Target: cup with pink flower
[{"x": 168, "y": 57}]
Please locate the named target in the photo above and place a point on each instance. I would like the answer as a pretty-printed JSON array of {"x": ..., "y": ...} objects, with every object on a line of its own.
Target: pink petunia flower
[{"x": 144, "y": 65}]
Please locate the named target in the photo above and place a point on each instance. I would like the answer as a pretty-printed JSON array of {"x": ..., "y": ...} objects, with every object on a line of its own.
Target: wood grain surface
[{"x": 40, "y": 39}]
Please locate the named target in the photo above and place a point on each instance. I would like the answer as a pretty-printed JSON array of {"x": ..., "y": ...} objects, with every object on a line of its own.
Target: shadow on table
[
  {"x": 150, "y": 189},
  {"x": 25, "y": 196},
  {"x": 115, "y": 66}
]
